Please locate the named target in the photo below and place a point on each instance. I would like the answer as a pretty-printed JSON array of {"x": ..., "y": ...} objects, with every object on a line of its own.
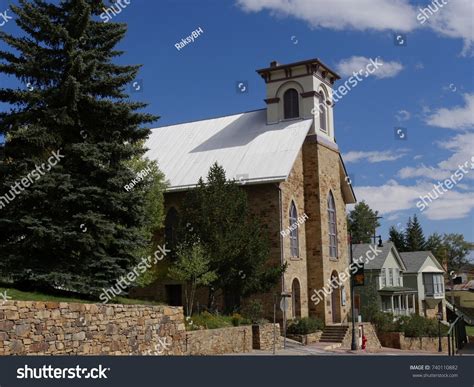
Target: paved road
[
  {"x": 320, "y": 349},
  {"x": 468, "y": 349}
]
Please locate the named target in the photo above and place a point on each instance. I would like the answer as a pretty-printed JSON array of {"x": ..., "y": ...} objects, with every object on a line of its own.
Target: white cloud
[
  {"x": 451, "y": 205},
  {"x": 417, "y": 157},
  {"x": 455, "y": 118},
  {"x": 453, "y": 20},
  {"x": 462, "y": 148},
  {"x": 392, "y": 197},
  {"x": 403, "y": 115},
  {"x": 347, "y": 67},
  {"x": 373, "y": 156},
  {"x": 379, "y": 15},
  {"x": 422, "y": 171}
]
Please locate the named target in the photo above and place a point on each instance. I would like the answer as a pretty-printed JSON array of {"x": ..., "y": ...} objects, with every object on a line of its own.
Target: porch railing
[{"x": 456, "y": 336}]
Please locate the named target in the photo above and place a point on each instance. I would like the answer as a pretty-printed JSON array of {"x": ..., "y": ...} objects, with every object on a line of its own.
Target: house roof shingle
[
  {"x": 360, "y": 250},
  {"x": 415, "y": 259}
]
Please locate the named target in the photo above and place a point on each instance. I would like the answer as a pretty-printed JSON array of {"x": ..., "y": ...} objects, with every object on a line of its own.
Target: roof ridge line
[{"x": 207, "y": 119}]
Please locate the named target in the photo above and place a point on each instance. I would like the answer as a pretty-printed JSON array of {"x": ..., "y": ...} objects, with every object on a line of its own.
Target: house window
[
  {"x": 433, "y": 284},
  {"x": 294, "y": 230},
  {"x": 322, "y": 112},
  {"x": 390, "y": 277},
  {"x": 291, "y": 104},
  {"x": 343, "y": 295},
  {"x": 332, "y": 226},
  {"x": 397, "y": 280},
  {"x": 384, "y": 278}
]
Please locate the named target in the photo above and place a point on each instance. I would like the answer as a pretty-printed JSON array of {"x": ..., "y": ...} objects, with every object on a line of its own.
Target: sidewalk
[{"x": 294, "y": 348}]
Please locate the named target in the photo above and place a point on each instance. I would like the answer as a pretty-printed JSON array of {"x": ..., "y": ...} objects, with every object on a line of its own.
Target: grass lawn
[
  {"x": 469, "y": 330},
  {"x": 18, "y": 295}
]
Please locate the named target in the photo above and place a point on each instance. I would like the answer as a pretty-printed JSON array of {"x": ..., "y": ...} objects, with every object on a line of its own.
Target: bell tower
[{"x": 301, "y": 91}]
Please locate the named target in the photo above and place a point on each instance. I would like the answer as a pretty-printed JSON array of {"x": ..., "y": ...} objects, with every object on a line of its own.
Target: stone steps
[{"x": 334, "y": 333}]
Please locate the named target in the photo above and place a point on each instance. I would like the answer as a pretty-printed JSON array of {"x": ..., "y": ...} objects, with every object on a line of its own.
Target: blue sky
[{"x": 426, "y": 86}]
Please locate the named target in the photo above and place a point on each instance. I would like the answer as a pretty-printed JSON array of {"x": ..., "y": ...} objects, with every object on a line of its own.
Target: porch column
[
  {"x": 414, "y": 305},
  {"x": 393, "y": 308},
  {"x": 406, "y": 304}
]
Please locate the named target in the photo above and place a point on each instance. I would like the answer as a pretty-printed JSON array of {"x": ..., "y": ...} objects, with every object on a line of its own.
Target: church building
[{"x": 286, "y": 158}]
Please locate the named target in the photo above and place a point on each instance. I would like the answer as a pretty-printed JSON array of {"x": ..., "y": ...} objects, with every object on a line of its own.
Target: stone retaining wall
[
  {"x": 263, "y": 337},
  {"x": 372, "y": 344},
  {"x": 307, "y": 339},
  {"x": 218, "y": 341},
  {"x": 52, "y": 328},
  {"x": 399, "y": 341}
]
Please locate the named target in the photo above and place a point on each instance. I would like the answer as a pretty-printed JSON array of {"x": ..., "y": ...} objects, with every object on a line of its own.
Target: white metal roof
[{"x": 248, "y": 149}]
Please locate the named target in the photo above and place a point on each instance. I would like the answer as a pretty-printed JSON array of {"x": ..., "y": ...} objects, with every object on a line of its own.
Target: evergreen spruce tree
[
  {"x": 76, "y": 226},
  {"x": 216, "y": 214},
  {"x": 414, "y": 238},
  {"x": 362, "y": 222},
  {"x": 397, "y": 238}
]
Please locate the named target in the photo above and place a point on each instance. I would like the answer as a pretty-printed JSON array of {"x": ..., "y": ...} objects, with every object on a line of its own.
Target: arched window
[
  {"x": 296, "y": 299},
  {"x": 332, "y": 226},
  {"x": 171, "y": 224},
  {"x": 323, "y": 112},
  {"x": 291, "y": 104},
  {"x": 294, "y": 248}
]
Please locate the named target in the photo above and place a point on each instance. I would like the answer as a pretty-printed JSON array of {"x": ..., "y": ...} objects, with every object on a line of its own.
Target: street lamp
[
  {"x": 353, "y": 342},
  {"x": 440, "y": 317}
]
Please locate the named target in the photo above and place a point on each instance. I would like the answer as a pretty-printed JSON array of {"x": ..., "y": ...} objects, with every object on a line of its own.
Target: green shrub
[
  {"x": 383, "y": 322},
  {"x": 418, "y": 326},
  {"x": 305, "y": 326},
  {"x": 254, "y": 312},
  {"x": 238, "y": 320},
  {"x": 207, "y": 320},
  {"x": 411, "y": 326}
]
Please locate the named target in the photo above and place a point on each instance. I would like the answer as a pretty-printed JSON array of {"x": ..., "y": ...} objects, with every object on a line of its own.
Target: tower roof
[{"x": 312, "y": 66}]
